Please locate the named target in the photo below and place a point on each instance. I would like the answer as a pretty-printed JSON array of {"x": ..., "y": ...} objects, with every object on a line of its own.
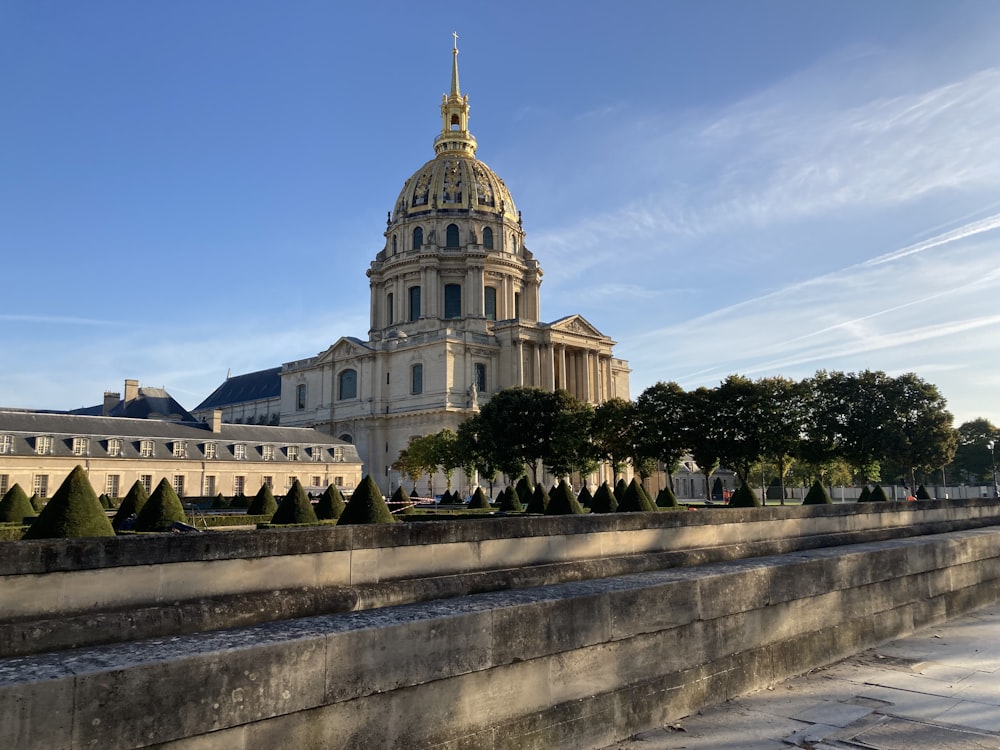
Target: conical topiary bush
[
  {"x": 865, "y": 496},
  {"x": 132, "y": 503},
  {"x": 400, "y": 498},
  {"x": 562, "y": 502},
  {"x": 718, "y": 489},
  {"x": 220, "y": 502},
  {"x": 36, "y": 502},
  {"x": 619, "y": 490},
  {"x": 295, "y": 508},
  {"x": 922, "y": 493},
  {"x": 263, "y": 503},
  {"x": 15, "y": 505},
  {"x": 105, "y": 501},
  {"x": 634, "y": 500},
  {"x": 331, "y": 504},
  {"x": 878, "y": 495},
  {"x": 645, "y": 493},
  {"x": 817, "y": 495},
  {"x": 366, "y": 506},
  {"x": 510, "y": 502},
  {"x": 604, "y": 500},
  {"x": 161, "y": 511},
  {"x": 479, "y": 500},
  {"x": 524, "y": 490},
  {"x": 666, "y": 498},
  {"x": 539, "y": 500},
  {"x": 73, "y": 511},
  {"x": 744, "y": 497},
  {"x": 585, "y": 497}
]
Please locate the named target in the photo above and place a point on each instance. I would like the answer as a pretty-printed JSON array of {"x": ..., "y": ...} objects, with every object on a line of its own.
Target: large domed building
[{"x": 455, "y": 317}]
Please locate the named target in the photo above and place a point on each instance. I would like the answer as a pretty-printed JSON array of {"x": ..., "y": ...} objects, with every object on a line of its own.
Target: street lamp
[{"x": 993, "y": 464}]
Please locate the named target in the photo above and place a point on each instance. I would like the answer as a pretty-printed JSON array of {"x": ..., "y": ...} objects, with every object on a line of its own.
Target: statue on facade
[{"x": 473, "y": 397}]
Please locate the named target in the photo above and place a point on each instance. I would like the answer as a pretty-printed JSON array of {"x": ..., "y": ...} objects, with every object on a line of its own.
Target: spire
[
  {"x": 455, "y": 92},
  {"x": 455, "y": 138}
]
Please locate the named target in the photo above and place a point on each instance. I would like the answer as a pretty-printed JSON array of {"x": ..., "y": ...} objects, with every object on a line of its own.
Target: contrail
[{"x": 968, "y": 230}]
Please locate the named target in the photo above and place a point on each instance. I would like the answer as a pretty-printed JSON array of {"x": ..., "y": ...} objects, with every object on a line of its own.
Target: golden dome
[{"x": 454, "y": 182}]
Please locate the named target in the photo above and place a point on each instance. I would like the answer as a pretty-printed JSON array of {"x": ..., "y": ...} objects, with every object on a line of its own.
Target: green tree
[
  {"x": 661, "y": 413},
  {"x": 783, "y": 408},
  {"x": 570, "y": 448},
  {"x": 702, "y": 432},
  {"x": 922, "y": 437},
  {"x": 614, "y": 433},
  {"x": 973, "y": 461}
]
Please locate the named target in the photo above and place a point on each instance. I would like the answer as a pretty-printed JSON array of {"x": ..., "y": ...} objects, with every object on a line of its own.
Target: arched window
[
  {"x": 490, "y": 302},
  {"x": 347, "y": 385},
  {"x": 454, "y": 122},
  {"x": 451, "y": 239},
  {"x": 417, "y": 379},
  {"x": 300, "y": 397},
  {"x": 452, "y": 301},
  {"x": 346, "y": 438},
  {"x": 488, "y": 238},
  {"x": 513, "y": 243},
  {"x": 395, "y": 244},
  {"x": 389, "y": 312},
  {"x": 414, "y": 303},
  {"x": 480, "y": 377},
  {"x": 418, "y": 238}
]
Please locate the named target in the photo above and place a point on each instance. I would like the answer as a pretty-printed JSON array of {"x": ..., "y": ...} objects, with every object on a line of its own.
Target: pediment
[
  {"x": 345, "y": 347},
  {"x": 575, "y": 324}
]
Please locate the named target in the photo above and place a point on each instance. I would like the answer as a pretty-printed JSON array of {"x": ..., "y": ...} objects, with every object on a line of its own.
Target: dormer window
[
  {"x": 293, "y": 453},
  {"x": 180, "y": 449},
  {"x": 145, "y": 449},
  {"x": 267, "y": 452},
  {"x": 239, "y": 451},
  {"x": 81, "y": 446},
  {"x": 114, "y": 447},
  {"x": 316, "y": 452},
  {"x": 43, "y": 445},
  {"x": 6, "y": 445},
  {"x": 210, "y": 450}
]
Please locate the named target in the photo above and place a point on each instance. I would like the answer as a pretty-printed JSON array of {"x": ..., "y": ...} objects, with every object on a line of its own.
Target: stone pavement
[{"x": 938, "y": 689}]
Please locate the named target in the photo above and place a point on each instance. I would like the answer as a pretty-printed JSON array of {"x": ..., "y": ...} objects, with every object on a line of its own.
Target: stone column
[
  {"x": 588, "y": 369},
  {"x": 562, "y": 368}
]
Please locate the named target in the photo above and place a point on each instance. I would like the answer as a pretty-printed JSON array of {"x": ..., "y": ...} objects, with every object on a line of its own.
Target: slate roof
[
  {"x": 151, "y": 403},
  {"x": 238, "y": 389}
]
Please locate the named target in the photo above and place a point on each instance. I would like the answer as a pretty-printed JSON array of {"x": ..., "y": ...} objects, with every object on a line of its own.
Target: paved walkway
[{"x": 936, "y": 690}]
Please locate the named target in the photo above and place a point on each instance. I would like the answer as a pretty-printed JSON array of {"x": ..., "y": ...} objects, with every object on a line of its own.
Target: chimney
[
  {"x": 111, "y": 400},
  {"x": 131, "y": 390},
  {"x": 217, "y": 420}
]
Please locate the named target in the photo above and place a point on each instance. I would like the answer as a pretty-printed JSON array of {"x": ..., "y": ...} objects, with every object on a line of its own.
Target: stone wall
[{"x": 578, "y": 663}]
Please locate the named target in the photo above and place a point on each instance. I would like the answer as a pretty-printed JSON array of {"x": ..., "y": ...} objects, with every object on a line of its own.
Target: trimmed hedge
[
  {"x": 15, "y": 505},
  {"x": 666, "y": 498},
  {"x": 619, "y": 489},
  {"x": 865, "y": 496},
  {"x": 479, "y": 500},
  {"x": 563, "y": 502},
  {"x": 585, "y": 498},
  {"x": 73, "y": 511},
  {"x": 817, "y": 495},
  {"x": 524, "y": 490},
  {"x": 295, "y": 509},
  {"x": 878, "y": 495},
  {"x": 161, "y": 511},
  {"x": 510, "y": 502},
  {"x": 539, "y": 500},
  {"x": 604, "y": 500},
  {"x": 922, "y": 493},
  {"x": 263, "y": 503},
  {"x": 635, "y": 499},
  {"x": 744, "y": 497},
  {"x": 135, "y": 498},
  {"x": 367, "y": 506}
]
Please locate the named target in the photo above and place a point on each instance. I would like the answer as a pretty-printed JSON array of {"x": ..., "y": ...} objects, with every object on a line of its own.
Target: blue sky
[{"x": 753, "y": 187}]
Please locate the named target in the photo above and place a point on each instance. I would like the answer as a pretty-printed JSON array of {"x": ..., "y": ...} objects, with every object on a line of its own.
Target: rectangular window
[
  {"x": 40, "y": 485},
  {"x": 4, "y": 483},
  {"x": 300, "y": 397},
  {"x": 209, "y": 488},
  {"x": 111, "y": 485},
  {"x": 239, "y": 485},
  {"x": 210, "y": 450},
  {"x": 267, "y": 452},
  {"x": 517, "y": 305},
  {"x": 417, "y": 379},
  {"x": 389, "y": 312},
  {"x": 43, "y": 445},
  {"x": 269, "y": 481},
  {"x": 452, "y": 300},
  {"x": 338, "y": 454},
  {"x": 317, "y": 481},
  {"x": 180, "y": 449},
  {"x": 146, "y": 480},
  {"x": 292, "y": 479},
  {"x": 114, "y": 447},
  {"x": 490, "y": 302},
  {"x": 145, "y": 448},
  {"x": 316, "y": 452},
  {"x": 81, "y": 446},
  {"x": 239, "y": 452},
  {"x": 293, "y": 453},
  {"x": 179, "y": 484},
  {"x": 480, "y": 377},
  {"x": 338, "y": 481},
  {"x": 6, "y": 444},
  {"x": 414, "y": 303}
]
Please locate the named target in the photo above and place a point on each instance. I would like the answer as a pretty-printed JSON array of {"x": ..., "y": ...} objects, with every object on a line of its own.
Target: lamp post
[{"x": 993, "y": 465}]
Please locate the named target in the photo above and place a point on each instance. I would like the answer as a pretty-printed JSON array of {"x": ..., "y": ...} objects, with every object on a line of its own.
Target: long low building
[{"x": 38, "y": 450}]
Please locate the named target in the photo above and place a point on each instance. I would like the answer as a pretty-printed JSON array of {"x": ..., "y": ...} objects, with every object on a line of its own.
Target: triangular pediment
[
  {"x": 575, "y": 324},
  {"x": 344, "y": 348}
]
